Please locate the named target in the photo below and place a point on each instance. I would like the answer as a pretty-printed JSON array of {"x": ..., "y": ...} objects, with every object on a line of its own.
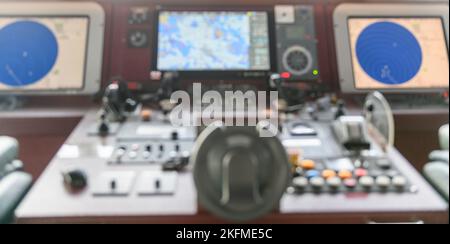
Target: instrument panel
[{"x": 287, "y": 45}]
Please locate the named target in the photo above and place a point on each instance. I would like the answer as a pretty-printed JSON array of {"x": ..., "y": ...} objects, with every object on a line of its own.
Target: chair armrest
[
  {"x": 13, "y": 188},
  {"x": 438, "y": 175},
  {"x": 9, "y": 148},
  {"x": 439, "y": 156},
  {"x": 443, "y": 137}
]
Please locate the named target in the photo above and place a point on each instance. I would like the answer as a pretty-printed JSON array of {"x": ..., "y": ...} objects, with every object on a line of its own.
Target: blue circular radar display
[
  {"x": 28, "y": 52},
  {"x": 389, "y": 53}
]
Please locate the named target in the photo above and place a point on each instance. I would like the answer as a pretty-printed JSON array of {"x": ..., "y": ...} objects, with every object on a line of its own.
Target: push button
[
  {"x": 350, "y": 183},
  {"x": 312, "y": 173},
  {"x": 360, "y": 172},
  {"x": 361, "y": 164},
  {"x": 317, "y": 182},
  {"x": 399, "y": 181},
  {"x": 383, "y": 181},
  {"x": 146, "y": 115},
  {"x": 345, "y": 174},
  {"x": 298, "y": 171},
  {"x": 300, "y": 182},
  {"x": 366, "y": 182},
  {"x": 135, "y": 147},
  {"x": 307, "y": 164},
  {"x": 334, "y": 182},
  {"x": 132, "y": 154},
  {"x": 146, "y": 154},
  {"x": 328, "y": 173}
]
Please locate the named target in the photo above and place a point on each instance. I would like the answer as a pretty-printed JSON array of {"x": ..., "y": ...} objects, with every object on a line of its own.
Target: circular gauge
[
  {"x": 28, "y": 52},
  {"x": 297, "y": 60}
]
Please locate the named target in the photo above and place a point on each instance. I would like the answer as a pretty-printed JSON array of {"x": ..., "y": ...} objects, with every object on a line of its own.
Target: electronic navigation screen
[
  {"x": 400, "y": 53},
  {"x": 43, "y": 53},
  {"x": 213, "y": 41}
]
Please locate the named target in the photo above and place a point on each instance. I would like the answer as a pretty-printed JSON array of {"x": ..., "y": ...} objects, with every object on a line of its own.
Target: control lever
[
  {"x": 103, "y": 128},
  {"x": 117, "y": 101},
  {"x": 177, "y": 163},
  {"x": 276, "y": 80},
  {"x": 340, "y": 109},
  {"x": 352, "y": 133}
]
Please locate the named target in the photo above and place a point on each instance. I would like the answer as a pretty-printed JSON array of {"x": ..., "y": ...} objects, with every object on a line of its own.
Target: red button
[
  {"x": 285, "y": 75},
  {"x": 361, "y": 172}
]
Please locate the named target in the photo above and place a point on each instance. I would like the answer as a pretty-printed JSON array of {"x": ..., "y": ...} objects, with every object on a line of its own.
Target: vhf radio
[{"x": 296, "y": 42}]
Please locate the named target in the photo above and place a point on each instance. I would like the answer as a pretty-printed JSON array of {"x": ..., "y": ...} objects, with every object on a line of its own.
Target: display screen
[
  {"x": 294, "y": 32},
  {"x": 213, "y": 41},
  {"x": 43, "y": 53},
  {"x": 399, "y": 53}
]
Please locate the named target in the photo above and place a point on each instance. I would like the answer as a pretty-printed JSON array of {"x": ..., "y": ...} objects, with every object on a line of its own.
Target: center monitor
[{"x": 202, "y": 41}]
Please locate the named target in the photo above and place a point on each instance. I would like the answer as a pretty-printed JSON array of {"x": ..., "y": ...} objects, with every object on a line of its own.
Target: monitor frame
[
  {"x": 344, "y": 12},
  {"x": 218, "y": 74},
  {"x": 95, "y": 39}
]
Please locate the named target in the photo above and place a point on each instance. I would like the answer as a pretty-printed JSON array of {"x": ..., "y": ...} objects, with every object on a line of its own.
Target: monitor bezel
[
  {"x": 94, "y": 48},
  {"x": 344, "y": 12},
  {"x": 217, "y": 74}
]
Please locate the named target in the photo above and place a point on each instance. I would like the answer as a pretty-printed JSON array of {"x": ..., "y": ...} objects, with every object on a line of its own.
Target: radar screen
[
  {"x": 42, "y": 53},
  {"x": 399, "y": 53}
]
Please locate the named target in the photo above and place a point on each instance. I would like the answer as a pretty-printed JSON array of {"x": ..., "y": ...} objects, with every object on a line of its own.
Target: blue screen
[
  {"x": 28, "y": 51},
  {"x": 386, "y": 44}
]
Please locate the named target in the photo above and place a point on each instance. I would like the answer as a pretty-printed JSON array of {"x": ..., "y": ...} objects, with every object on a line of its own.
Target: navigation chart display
[
  {"x": 202, "y": 41},
  {"x": 42, "y": 53},
  {"x": 400, "y": 53}
]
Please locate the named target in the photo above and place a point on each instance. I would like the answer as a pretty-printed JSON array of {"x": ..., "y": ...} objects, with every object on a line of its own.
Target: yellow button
[
  {"x": 345, "y": 174},
  {"x": 307, "y": 164},
  {"x": 294, "y": 157},
  {"x": 328, "y": 173}
]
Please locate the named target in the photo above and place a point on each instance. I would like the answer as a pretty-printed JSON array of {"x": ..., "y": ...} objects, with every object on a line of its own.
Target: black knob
[
  {"x": 174, "y": 135},
  {"x": 103, "y": 128},
  {"x": 113, "y": 184},
  {"x": 157, "y": 184},
  {"x": 75, "y": 179},
  {"x": 370, "y": 107},
  {"x": 340, "y": 111},
  {"x": 148, "y": 148}
]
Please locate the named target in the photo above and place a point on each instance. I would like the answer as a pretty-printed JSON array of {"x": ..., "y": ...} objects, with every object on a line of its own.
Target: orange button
[
  {"x": 328, "y": 173},
  {"x": 146, "y": 115},
  {"x": 345, "y": 174},
  {"x": 307, "y": 164}
]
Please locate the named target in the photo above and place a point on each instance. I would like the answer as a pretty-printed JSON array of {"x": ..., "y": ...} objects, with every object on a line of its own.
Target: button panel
[
  {"x": 346, "y": 176},
  {"x": 149, "y": 152}
]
